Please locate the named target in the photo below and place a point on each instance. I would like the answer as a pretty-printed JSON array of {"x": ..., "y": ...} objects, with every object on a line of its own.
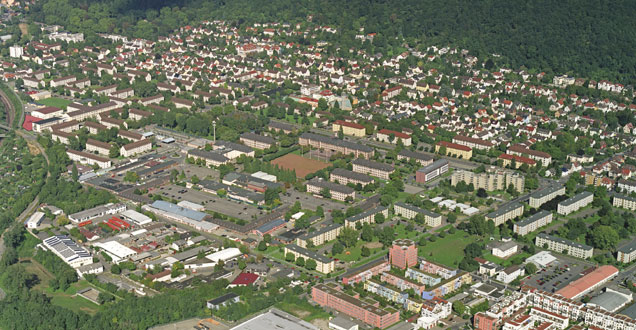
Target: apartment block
[
  {"x": 366, "y": 310},
  {"x": 562, "y": 245},
  {"x": 257, "y": 141},
  {"x": 508, "y": 160},
  {"x": 535, "y": 155},
  {"x": 505, "y": 212},
  {"x": 99, "y": 147},
  {"x": 432, "y": 219},
  {"x": 627, "y": 253},
  {"x": 368, "y": 167},
  {"x": 542, "y": 196},
  {"x": 87, "y": 158},
  {"x": 430, "y": 172},
  {"x": 624, "y": 201},
  {"x": 472, "y": 142},
  {"x": 337, "y": 191},
  {"x": 320, "y": 236},
  {"x": 335, "y": 145},
  {"x": 367, "y": 216},
  {"x": 420, "y": 158},
  {"x": 211, "y": 158},
  {"x": 532, "y": 223},
  {"x": 403, "y": 253},
  {"x": 323, "y": 264},
  {"x": 351, "y": 129},
  {"x": 575, "y": 203},
  {"x": 402, "y": 282},
  {"x": 386, "y": 291},
  {"x": 447, "y": 286},
  {"x": 365, "y": 272},
  {"x": 483, "y": 321},
  {"x": 454, "y": 149},
  {"x": 385, "y": 135},
  {"x": 135, "y": 148},
  {"x": 624, "y": 186},
  {"x": 345, "y": 177},
  {"x": 422, "y": 277},
  {"x": 490, "y": 181}
]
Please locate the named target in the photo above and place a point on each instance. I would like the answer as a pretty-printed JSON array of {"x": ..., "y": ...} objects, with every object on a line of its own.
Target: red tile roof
[
  {"x": 397, "y": 134},
  {"x": 245, "y": 279},
  {"x": 453, "y": 146},
  {"x": 584, "y": 283}
]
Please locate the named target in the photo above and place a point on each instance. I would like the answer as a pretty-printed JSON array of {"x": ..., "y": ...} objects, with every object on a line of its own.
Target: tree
[
  {"x": 459, "y": 307},
  {"x": 473, "y": 250},
  {"x": 103, "y": 298},
  {"x": 324, "y": 192},
  {"x": 319, "y": 211},
  {"x": 365, "y": 252},
  {"x": 74, "y": 173},
  {"x": 310, "y": 264},
  {"x": 337, "y": 248},
  {"x": 367, "y": 233},
  {"x": 300, "y": 262},
  {"x": 113, "y": 152},
  {"x": 290, "y": 257},
  {"x": 481, "y": 192},
  {"x": 348, "y": 237},
  {"x": 241, "y": 264},
  {"x": 115, "y": 269},
  {"x": 194, "y": 179},
  {"x": 62, "y": 220},
  {"x": 131, "y": 177},
  {"x": 379, "y": 218},
  {"x": 530, "y": 268},
  {"x": 262, "y": 246},
  {"x": 604, "y": 237}
]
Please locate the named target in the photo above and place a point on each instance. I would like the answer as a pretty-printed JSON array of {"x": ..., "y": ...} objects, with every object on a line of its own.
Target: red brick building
[
  {"x": 482, "y": 321},
  {"x": 403, "y": 253}
]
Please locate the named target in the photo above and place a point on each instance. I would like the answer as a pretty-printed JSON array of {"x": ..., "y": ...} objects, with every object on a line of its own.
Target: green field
[
  {"x": 449, "y": 250},
  {"x": 55, "y": 102},
  {"x": 514, "y": 260}
]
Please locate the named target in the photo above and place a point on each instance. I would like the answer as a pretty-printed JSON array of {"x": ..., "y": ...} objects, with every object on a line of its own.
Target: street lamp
[{"x": 214, "y": 129}]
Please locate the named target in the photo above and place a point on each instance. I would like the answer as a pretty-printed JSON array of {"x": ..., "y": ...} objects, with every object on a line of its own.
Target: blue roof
[
  {"x": 270, "y": 225},
  {"x": 178, "y": 210}
]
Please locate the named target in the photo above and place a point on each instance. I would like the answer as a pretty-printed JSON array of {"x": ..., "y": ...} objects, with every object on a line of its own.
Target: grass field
[
  {"x": 354, "y": 253},
  {"x": 449, "y": 250},
  {"x": 516, "y": 259},
  {"x": 55, "y": 102},
  {"x": 301, "y": 165}
]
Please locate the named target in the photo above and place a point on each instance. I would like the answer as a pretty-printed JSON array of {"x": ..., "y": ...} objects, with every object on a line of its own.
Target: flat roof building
[
  {"x": 562, "y": 245},
  {"x": 532, "y": 223},
  {"x": 431, "y": 219},
  {"x": 505, "y": 212},
  {"x": 67, "y": 250},
  {"x": 324, "y": 264},
  {"x": 430, "y": 172},
  {"x": 575, "y": 203},
  {"x": 540, "y": 197},
  {"x": 275, "y": 319}
]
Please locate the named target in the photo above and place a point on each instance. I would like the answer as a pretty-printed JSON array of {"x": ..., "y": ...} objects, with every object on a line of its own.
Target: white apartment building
[
  {"x": 562, "y": 245},
  {"x": 542, "y": 196},
  {"x": 432, "y": 219},
  {"x": 534, "y": 222},
  {"x": 575, "y": 203}
]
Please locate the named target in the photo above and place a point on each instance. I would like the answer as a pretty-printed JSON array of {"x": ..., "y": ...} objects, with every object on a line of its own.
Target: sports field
[
  {"x": 55, "y": 102},
  {"x": 300, "y": 164}
]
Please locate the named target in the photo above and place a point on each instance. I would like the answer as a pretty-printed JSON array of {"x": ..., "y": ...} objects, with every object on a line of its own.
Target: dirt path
[{"x": 24, "y": 28}]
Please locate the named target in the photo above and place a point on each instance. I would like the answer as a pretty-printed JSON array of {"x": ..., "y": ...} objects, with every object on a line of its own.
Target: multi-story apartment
[
  {"x": 100, "y": 147},
  {"x": 573, "y": 204},
  {"x": 430, "y": 172},
  {"x": 624, "y": 201},
  {"x": 542, "y": 315},
  {"x": 448, "y": 286},
  {"x": 135, "y": 148},
  {"x": 562, "y": 245},
  {"x": 421, "y": 277},
  {"x": 540, "y": 197},
  {"x": 508, "y": 160},
  {"x": 345, "y": 177},
  {"x": 366, "y": 310},
  {"x": 380, "y": 170},
  {"x": 386, "y": 291},
  {"x": 337, "y": 191},
  {"x": 505, "y": 212},
  {"x": 348, "y": 128},
  {"x": 454, "y": 149},
  {"x": 483, "y": 321},
  {"x": 335, "y": 145},
  {"x": 624, "y": 186},
  {"x": 211, "y": 158},
  {"x": 320, "y": 236},
  {"x": 532, "y": 223},
  {"x": 536, "y": 155},
  {"x": 420, "y": 158},
  {"x": 323, "y": 264},
  {"x": 472, "y": 142},
  {"x": 402, "y": 282},
  {"x": 257, "y": 141},
  {"x": 627, "y": 253},
  {"x": 385, "y": 135},
  {"x": 365, "y": 272},
  {"x": 432, "y": 219},
  {"x": 437, "y": 269},
  {"x": 87, "y": 158},
  {"x": 403, "y": 253},
  {"x": 367, "y": 216},
  {"x": 490, "y": 181}
]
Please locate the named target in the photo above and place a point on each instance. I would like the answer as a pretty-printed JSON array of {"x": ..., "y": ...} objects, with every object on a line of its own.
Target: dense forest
[{"x": 592, "y": 39}]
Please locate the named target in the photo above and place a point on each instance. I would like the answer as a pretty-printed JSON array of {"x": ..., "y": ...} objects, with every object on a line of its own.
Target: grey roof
[
  {"x": 320, "y": 231},
  {"x": 436, "y": 164},
  {"x": 609, "y": 300},
  {"x": 546, "y": 191},
  {"x": 257, "y": 137},
  {"x": 343, "y": 322},
  {"x": 533, "y": 218},
  {"x": 628, "y": 248},
  {"x": 416, "y": 155},
  {"x": 223, "y": 298},
  {"x": 66, "y": 247},
  {"x": 178, "y": 210},
  {"x": 211, "y": 155},
  {"x": 185, "y": 255},
  {"x": 283, "y": 126},
  {"x": 308, "y": 253},
  {"x": 625, "y": 197},
  {"x": 576, "y": 198},
  {"x": 503, "y": 209},
  {"x": 336, "y": 142},
  {"x": 418, "y": 210},
  {"x": 271, "y": 225},
  {"x": 233, "y": 146},
  {"x": 366, "y": 213},
  {"x": 565, "y": 241},
  {"x": 275, "y": 319},
  {"x": 212, "y": 185},
  {"x": 320, "y": 183},
  {"x": 375, "y": 165},
  {"x": 351, "y": 175}
]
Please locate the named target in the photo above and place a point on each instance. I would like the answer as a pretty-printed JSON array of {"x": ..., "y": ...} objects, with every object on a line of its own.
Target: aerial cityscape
[{"x": 318, "y": 164}]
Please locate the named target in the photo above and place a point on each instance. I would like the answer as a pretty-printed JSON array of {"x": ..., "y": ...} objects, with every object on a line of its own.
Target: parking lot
[
  {"x": 310, "y": 202},
  {"x": 210, "y": 202},
  {"x": 557, "y": 275}
]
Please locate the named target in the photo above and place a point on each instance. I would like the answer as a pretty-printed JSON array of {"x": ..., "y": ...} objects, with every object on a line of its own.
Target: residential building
[
  {"x": 211, "y": 158},
  {"x": 535, "y": 155},
  {"x": 472, "y": 142},
  {"x": 323, "y": 264},
  {"x": 380, "y": 170},
  {"x": 509, "y": 274},
  {"x": 420, "y": 276},
  {"x": 532, "y": 223},
  {"x": 89, "y": 159},
  {"x": 320, "y": 236},
  {"x": 389, "y": 136},
  {"x": 257, "y": 141},
  {"x": 505, "y": 249},
  {"x": 386, "y": 291},
  {"x": 430, "y": 172},
  {"x": 403, "y": 253},
  {"x": 318, "y": 186},
  {"x": 366, "y": 310},
  {"x": 432, "y": 312},
  {"x": 562, "y": 245},
  {"x": 541, "y": 315},
  {"x": 575, "y": 203},
  {"x": 366, "y": 271},
  {"x": 626, "y": 202},
  {"x": 483, "y": 321},
  {"x": 624, "y": 186},
  {"x": 489, "y": 181},
  {"x": 345, "y": 177},
  {"x": 448, "y": 286},
  {"x": 367, "y": 216},
  {"x": 422, "y": 159},
  {"x": 508, "y": 160},
  {"x": 431, "y": 219},
  {"x": 135, "y": 148},
  {"x": 67, "y": 250},
  {"x": 541, "y": 196},
  {"x": 99, "y": 147},
  {"x": 347, "y": 128},
  {"x": 402, "y": 282},
  {"x": 627, "y": 253},
  {"x": 454, "y": 149},
  {"x": 505, "y": 212},
  {"x": 335, "y": 145}
]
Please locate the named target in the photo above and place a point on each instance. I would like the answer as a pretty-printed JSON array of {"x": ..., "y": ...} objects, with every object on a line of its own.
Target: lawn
[
  {"x": 508, "y": 262},
  {"x": 355, "y": 253},
  {"x": 27, "y": 248},
  {"x": 401, "y": 232},
  {"x": 55, "y": 102},
  {"x": 449, "y": 250}
]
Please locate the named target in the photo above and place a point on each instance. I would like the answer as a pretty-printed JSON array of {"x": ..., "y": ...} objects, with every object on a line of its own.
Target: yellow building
[
  {"x": 348, "y": 128},
  {"x": 454, "y": 149}
]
